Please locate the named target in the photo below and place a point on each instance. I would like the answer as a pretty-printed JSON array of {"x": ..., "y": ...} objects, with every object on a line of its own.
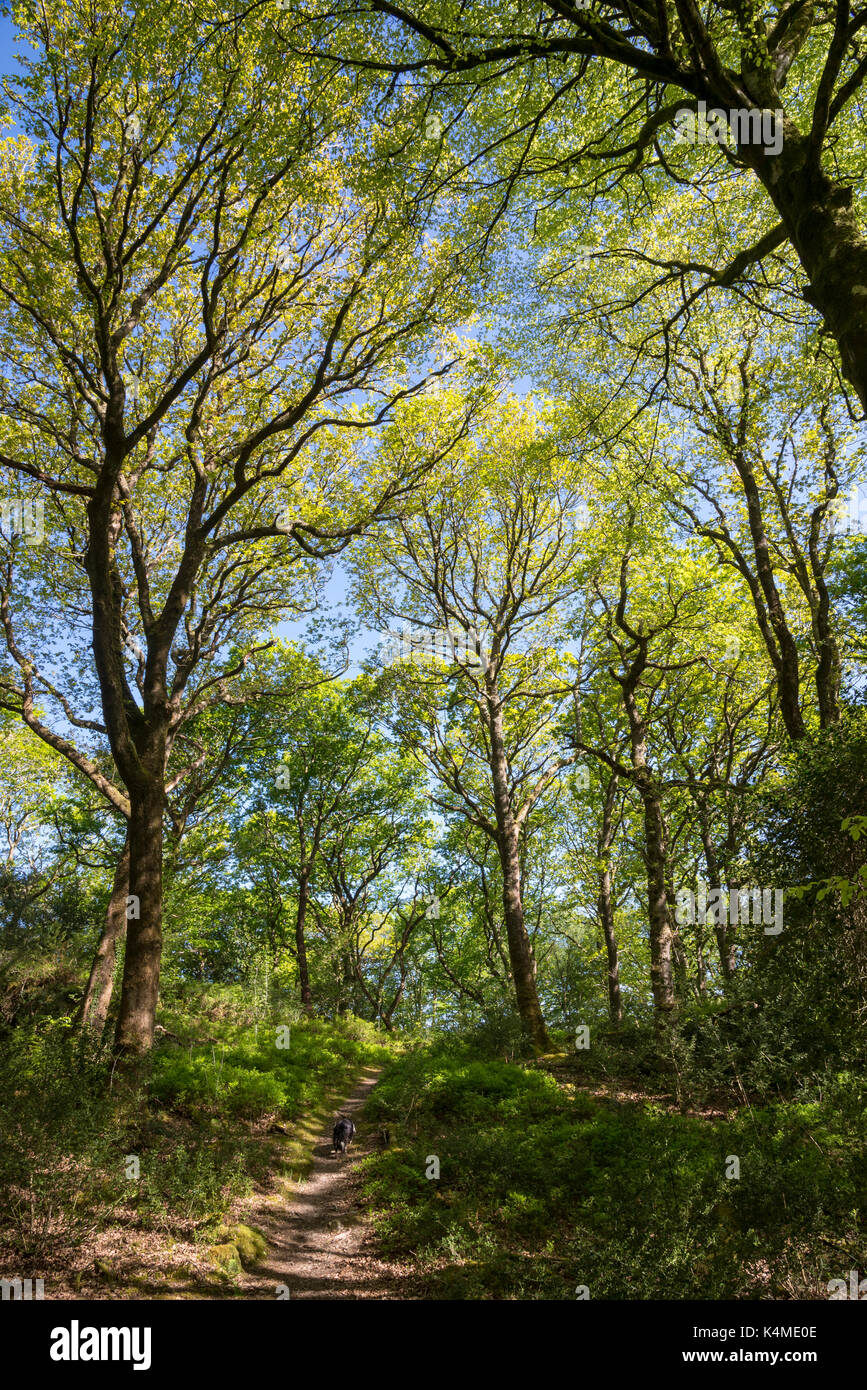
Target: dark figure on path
[{"x": 343, "y": 1132}]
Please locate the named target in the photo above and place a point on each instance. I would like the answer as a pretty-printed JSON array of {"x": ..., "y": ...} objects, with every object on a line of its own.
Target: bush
[
  {"x": 542, "y": 1189},
  {"x": 189, "y": 1181},
  {"x": 499, "y": 1035},
  {"x": 809, "y": 983}
]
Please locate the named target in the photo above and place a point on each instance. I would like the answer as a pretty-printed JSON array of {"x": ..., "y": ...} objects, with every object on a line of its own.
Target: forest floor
[
  {"x": 308, "y": 1206},
  {"x": 320, "y": 1244},
  {"x": 556, "y": 1175}
]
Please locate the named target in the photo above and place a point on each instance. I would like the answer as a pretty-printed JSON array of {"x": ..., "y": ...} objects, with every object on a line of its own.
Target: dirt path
[{"x": 319, "y": 1244}]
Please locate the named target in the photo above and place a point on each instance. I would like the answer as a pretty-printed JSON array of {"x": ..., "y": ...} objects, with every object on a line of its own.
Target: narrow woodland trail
[{"x": 319, "y": 1243}]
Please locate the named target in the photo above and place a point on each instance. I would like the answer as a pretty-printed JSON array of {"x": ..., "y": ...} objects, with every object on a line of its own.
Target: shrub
[{"x": 631, "y": 1199}]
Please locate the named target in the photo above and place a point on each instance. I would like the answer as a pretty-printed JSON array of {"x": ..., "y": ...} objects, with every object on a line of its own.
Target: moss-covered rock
[
  {"x": 250, "y": 1244},
  {"x": 227, "y": 1258}
]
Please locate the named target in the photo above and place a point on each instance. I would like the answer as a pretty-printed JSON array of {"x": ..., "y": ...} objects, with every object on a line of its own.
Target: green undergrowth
[
  {"x": 546, "y": 1192},
  {"x": 280, "y": 1069},
  {"x": 225, "y": 1100}
]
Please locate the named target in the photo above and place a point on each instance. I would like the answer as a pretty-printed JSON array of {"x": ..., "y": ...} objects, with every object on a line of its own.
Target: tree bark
[
  {"x": 658, "y": 908},
  {"x": 344, "y": 983},
  {"x": 141, "y": 974},
  {"x": 97, "y": 997},
  {"x": 659, "y": 916},
  {"x": 606, "y": 906},
  {"x": 725, "y": 939},
  {"x": 818, "y": 217},
  {"x": 829, "y": 667},
  {"x": 520, "y": 954},
  {"x": 300, "y": 941},
  {"x": 779, "y": 639}
]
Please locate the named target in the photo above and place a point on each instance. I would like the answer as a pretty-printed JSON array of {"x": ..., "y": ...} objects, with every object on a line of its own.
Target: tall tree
[
  {"x": 486, "y": 566},
  {"x": 198, "y": 288}
]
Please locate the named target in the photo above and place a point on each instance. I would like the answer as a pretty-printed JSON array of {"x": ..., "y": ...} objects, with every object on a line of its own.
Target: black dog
[{"x": 343, "y": 1133}]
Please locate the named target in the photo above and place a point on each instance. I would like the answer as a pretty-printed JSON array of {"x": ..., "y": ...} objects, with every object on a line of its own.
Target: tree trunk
[
  {"x": 659, "y": 915},
  {"x": 829, "y": 670},
  {"x": 389, "y": 1013},
  {"x": 346, "y": 982},
  {"x": 300, "y": 941},
  {"x": 817, "y": 215},
  {"x": 606, "y": 906},
  {"x": 141, "y": 973},
  {"x": 779, "y": 639},
  {"x": 700, "y": 967},
  {"x": 97, "y": 997},
  {"x": 520, "y": 954},
  {"x": 725, "y": 939},
  {"x": 658, "y": 909}
]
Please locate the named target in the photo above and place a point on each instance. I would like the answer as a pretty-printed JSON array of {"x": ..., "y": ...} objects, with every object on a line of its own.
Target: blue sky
[
  {"x": 7, "y": 50},
  {"x": 335, "y": 596}
]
